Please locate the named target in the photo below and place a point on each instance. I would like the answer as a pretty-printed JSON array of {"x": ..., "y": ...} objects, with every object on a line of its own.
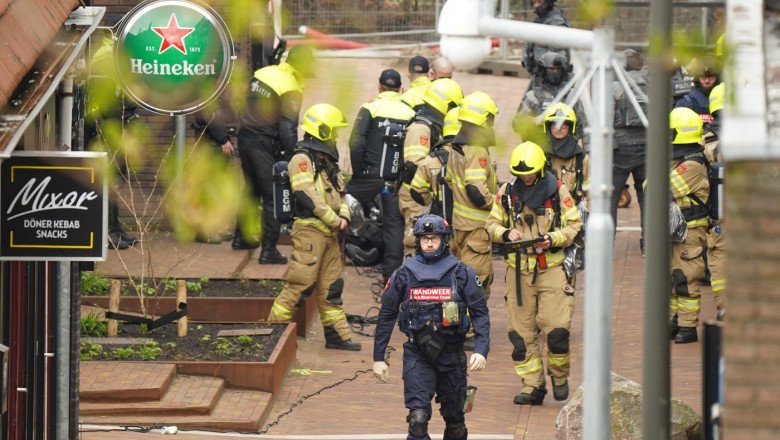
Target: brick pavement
[{"x": 363, "y": 406}]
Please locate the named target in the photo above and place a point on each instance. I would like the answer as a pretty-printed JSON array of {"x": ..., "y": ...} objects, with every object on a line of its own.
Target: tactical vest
[{"x": 429, "y": 286}]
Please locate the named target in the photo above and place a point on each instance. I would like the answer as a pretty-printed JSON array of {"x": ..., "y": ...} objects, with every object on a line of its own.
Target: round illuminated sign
[{"x": 173, "y": 56}]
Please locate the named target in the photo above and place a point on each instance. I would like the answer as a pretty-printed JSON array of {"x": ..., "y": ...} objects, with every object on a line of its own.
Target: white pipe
[
  {"x": 598, "y": 252},
  {"x": 536, "y": 33}
]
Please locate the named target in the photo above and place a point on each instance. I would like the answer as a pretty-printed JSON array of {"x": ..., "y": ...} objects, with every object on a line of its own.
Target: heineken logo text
[{"x": 184, "y": 68}]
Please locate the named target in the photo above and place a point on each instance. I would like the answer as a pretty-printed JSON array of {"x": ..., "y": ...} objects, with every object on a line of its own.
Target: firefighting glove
[
  {"x": 476, "y": 363},
  {"x": 380, "y": 370}
]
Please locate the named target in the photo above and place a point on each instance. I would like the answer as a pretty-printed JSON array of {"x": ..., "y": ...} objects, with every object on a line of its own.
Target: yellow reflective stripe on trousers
[
  {"x": 531, "y": 366},
  {"x": 475, "y": 174},
  {"x": 688, "y": 304},
  {"x": 281, "y": 311},
  {"x": 718, "y": 285},
  {"x": 300, "y": 179},
  {"x": 470, "y": 213},
  {"x": 312, "y": 221},
  {"x": 330, "y": 316},
  {"x": 673, "y": 304},
  {"x": 557, "y": 360}
]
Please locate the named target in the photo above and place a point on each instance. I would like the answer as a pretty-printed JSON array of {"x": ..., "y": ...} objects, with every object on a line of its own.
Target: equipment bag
[
  {"x": 392, "y": 149},
  {"x": 282, "y": 190},
  {"x": 716, "y": 176}
]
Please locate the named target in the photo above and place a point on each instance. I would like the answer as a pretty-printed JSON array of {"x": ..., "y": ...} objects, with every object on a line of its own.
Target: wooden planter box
[{"x": 222, "y": 310}]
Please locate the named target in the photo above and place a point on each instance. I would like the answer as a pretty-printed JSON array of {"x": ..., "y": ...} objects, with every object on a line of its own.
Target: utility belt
[
  {"x": 695, "y": 212},
  {"x": 431, "y": 343}
]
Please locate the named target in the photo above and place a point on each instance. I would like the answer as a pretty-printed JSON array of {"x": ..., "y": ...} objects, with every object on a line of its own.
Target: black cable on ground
[{"x": 358, "y": 323}]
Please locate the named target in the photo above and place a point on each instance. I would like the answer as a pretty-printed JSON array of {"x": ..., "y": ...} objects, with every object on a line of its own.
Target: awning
[{"x": 44, "y": 78}]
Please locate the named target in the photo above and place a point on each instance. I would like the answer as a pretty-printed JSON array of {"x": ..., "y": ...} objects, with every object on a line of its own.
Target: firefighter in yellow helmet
[
  {"x": 424, "y": 130},
  {"x": 690, "y": 191},
  {"x": 567, "y": 158},
  {"x": 428, "y": 192},
  {"x": 472, "y": 178},
  {"x": 536, "y": 205},
  {"x": 716, "y": 248},
  {"x": 320, "y": 214}
]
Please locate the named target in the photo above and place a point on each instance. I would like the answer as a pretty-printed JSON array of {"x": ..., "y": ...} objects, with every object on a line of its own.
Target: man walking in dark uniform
[
  {"x": 378, "y": 130},
  {"x": 268, "y": 131},
  {"x": 429, "y": 297}
]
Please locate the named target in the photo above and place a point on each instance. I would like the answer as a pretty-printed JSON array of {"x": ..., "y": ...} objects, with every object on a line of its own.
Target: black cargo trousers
[{"x": 258, "y": 155}]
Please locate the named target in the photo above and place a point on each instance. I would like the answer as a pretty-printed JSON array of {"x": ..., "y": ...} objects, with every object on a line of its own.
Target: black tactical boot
[
  {"x": 535, "y": 397},
  {"x": 272, "y": 256},
  {"x": 673, "y": 328},
  {"x": 334, "y": 341},
  {"x": 116, "y": 241},
  {"x": 686, "y": 335},
  {"x": 561, "y": 392}
]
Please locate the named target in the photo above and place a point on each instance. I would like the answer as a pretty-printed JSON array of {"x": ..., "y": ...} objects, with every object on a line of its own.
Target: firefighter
[
  {"x": 546, "y": 13},
  {"x": 540, "y": 301},
  {"x": 472, "y": 178},
  {"x": 424, "y": 130},
  {"x": 566, "y": 157},
  {"x": 716, "y": 247},
  {"x": 419, "y": 80},
  {"x": 267, "y": 134},
  {"x": 378, "y": 136},
  {"x": 554, "y": 72},
  {"x": 690, "y": 189},
  {"x": 429, "y": 297},
  {"x": 428, "y": 189},
  {"x": 320, "y": 214}
]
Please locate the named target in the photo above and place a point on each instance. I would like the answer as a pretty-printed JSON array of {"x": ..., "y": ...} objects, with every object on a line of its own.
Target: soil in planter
[{"x": 200, "y": 344}]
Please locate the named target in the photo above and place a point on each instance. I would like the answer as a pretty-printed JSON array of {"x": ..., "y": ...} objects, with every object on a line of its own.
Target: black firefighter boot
[
  {"x": 334, "y": 341},
  {"x": 686, "y": 335},
  {"x": 560, "y": 390},
  {"x": 535, "y": 397}
]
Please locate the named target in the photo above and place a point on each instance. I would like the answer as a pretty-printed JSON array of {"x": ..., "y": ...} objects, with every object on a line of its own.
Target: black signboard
[{"x": 53, "y": 206}]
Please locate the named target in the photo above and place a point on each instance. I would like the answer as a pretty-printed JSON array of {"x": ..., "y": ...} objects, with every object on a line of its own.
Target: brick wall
[{"x": 752, "y": 330}]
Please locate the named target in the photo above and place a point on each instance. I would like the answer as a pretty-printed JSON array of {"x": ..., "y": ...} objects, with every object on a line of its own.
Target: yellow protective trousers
[
  {"x": 687, "y": 269},
  {"x": 474, "y": 249}
]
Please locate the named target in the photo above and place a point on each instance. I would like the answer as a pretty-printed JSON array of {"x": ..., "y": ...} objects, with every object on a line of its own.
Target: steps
[{"x": 146, "y": 394}]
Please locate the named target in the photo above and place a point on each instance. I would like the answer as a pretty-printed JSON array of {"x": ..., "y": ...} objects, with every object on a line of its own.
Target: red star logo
[{"x": 173, "y": 35}]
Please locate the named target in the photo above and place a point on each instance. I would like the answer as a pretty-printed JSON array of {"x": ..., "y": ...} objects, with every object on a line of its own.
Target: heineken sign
[{"x": 173, "y": 56}]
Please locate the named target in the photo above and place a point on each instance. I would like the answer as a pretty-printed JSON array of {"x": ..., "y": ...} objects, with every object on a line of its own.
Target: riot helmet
[
  {"x": 553, "y": 66},
  {"x": 430, "y": 224},
  {"x": 321, "y": 122}
]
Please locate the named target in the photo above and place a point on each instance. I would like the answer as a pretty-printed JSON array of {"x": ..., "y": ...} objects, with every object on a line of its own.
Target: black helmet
[
  {"x": 553, "y": 60},
  {"x": 430, "y": 224}
]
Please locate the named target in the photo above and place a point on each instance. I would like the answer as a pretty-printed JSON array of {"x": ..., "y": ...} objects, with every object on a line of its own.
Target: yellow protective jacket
[
  {"x": 687, "y": 178},
  {"x": 502, "y": 220},
  {"x": 567, "y": 173},
  {"x": 413, "y": 97},
  {"x": 318, "y": 201},
  {"x": 472, "y": 178}
]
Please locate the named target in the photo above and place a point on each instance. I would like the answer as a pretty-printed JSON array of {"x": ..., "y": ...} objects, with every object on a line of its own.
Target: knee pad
[
  {"x": 418, "y": 422},
  {"x": 305, "y": 294},
  {"x": 334, "y": 292},
  {"x": 679, "y": 282},
  {"x": 455, "y": 431},
  {"x": 518, "y": 354},
  {"x": 558, "y": 341}
]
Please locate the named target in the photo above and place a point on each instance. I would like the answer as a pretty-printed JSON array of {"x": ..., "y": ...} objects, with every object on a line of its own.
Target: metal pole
[
  {"x": 181, "y": 134},
  {"x": 62, "y": 347},
  {"x": 598, "y": 253},
  {"x": 504, "y": 42},
  {"x": 656, "y": 409},
  {"x": 437, "y": 7}
]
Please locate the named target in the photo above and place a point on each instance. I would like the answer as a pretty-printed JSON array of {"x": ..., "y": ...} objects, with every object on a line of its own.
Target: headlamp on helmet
[
  {"x": 686, "y": 126},
  {"x": 526, "y": 159},
  {"x": 430, "y": 224}
]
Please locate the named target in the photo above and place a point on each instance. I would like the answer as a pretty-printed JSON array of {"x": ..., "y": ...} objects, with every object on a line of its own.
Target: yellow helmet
[
  {"x": 322, "y": 120},
  {"x": 716, "y": 98},
  {"x": 451, "y": 123},
  {"x": 560, "y": 112},
  {"x": 443, "y": 94},
  {"x": 527, "y": 158},
  {"x": 478, "y": 108},
  {"x": 686, "y": 126}
]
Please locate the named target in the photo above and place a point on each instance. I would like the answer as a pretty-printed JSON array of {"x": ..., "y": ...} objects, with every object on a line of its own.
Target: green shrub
[
  {"x": 245, "y": 340},
  {"x": 123, "y": 353},
  {"x": 149, "y": 351},
  {"x": 91, "y": 325},
  {"x": 92, "y": 284},
  {"x": 90, "y": 350},
  {"x": 224, "y": 347}
]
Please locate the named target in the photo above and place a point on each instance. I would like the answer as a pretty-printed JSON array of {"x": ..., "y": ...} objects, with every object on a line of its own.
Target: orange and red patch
[
  {"x": 681, "y": 168},
  {"x": 568, "y": 202},
  {"x": 424, "y": 140},
  {"x": 303, "y": 165},
  {"x": 483, "y": 162}
]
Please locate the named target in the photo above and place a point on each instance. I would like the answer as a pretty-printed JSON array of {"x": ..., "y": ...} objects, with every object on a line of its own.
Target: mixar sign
[
  {"x": 54, "y": 206},
  {"x": 173, "y": 56}
]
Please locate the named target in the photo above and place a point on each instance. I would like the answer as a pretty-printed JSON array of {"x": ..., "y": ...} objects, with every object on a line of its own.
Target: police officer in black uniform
[
  {"x": 433, "y": 291},
  {"x": 269, "y": 130},
  {"x": 546, "y": 13}
]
